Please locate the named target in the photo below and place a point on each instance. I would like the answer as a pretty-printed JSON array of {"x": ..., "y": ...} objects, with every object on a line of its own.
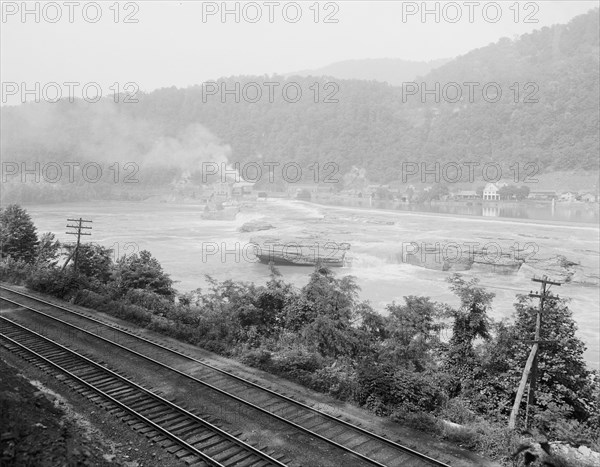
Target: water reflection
[{"x": 535, "y": 210}]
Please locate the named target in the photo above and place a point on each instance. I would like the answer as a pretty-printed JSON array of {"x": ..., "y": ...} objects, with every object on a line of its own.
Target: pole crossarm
[
  {"x": 544, "y": 280},
  {"x": 79, "y": 231}
]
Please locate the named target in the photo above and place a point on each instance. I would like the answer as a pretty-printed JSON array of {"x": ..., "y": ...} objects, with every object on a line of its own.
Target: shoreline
[
  {"x": 505, "y": 220},
  {"x": 191, "y": 203}
]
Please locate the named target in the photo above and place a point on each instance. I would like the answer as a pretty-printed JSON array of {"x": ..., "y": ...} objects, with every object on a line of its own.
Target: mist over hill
[{"x": 553, "y": 120}]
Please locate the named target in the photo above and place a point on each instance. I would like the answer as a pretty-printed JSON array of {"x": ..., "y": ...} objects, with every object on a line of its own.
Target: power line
[
  {"x": 530, "y": 370},
  {"x": 79, "y": 231}
]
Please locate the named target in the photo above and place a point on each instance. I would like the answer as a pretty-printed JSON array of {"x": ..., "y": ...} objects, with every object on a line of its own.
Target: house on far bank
[
  {"x": 589, "y": 197},
  {"x": 542, "y": 195},
  {"x": 463, "y": 195},
  {"x": 567, "y": 196},
  {"x": 241, "y": 188},
  {"x": 491, "y": 191}
]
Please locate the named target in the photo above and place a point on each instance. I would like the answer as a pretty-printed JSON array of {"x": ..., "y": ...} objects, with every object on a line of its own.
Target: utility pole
[
  {"x": 79, "y": 231},
  {"x": 530, "y": 371}
]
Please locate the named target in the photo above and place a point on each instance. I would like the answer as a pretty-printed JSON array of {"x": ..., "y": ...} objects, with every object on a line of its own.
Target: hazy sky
[{"x": 173, "y": 44}]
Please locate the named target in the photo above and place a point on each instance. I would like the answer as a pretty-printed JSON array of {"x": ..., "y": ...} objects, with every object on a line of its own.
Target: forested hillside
[
  {"x": 373, "y": 125},
  {"x": 393, "y": 71}
]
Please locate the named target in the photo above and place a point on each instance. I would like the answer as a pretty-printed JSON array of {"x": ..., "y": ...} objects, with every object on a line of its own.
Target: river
[{"x": 189, "y": 247}]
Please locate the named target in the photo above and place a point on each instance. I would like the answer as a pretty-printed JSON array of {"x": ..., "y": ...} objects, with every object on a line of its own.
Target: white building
[{"x": 490, "y": 192}]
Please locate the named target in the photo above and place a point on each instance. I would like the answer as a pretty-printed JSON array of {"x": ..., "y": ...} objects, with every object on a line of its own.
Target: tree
[
  {"x": 563, "y": 379},
  {"x": 413, "y": 332},
  {"x": 567, "y": 403},
  {"x": 507, "y": 192},
  {"x": 332, "y": 338},
  {"x": 324, "y": 314},
  {"x": 470, "y": 321},
  {"x": 522, "y": 192},
  {"x": 513, "y": 192},
  {"x": 270, "y": 303},
  {"x": 94, "y": 261},
  {"x": 142, "y": 271},
  {"x": 18, "y": 235},
  {"x": 373, "y": 325},
  {"x": 324, "y": 295},
  {"x": 48, "y": 250}
]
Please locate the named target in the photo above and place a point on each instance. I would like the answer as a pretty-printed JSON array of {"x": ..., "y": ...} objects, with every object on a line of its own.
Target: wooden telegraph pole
[
  {"x": 79, "y": 231},
  {"x": 530, "y": 371}
]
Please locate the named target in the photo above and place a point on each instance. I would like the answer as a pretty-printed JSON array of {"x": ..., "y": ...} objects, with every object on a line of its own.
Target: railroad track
[
  {"x": 181, "y": 432},
  {"x": 369, "y": 447}
]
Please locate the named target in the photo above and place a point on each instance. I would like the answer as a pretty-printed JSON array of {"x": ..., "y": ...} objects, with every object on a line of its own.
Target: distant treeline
[{"x": 552, "y": 73}]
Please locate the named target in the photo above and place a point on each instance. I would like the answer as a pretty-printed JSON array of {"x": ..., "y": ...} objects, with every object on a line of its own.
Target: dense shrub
[
  {"x": 54, "y": 282},
  {"x": 149, "y": 300},
  {"x": 90, "y": 299},
  {"x": 336, "y": 380},
  {"x": 14, "y": 271},
  {"x": 258, "y": 358},
  {"x": 142, "y": 271},
  {"x": 297, "y": 361},
  {"x": 380, "y": 386},
  {"x": 134, "y": 313}
]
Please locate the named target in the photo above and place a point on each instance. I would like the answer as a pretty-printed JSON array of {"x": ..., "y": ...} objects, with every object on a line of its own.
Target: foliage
[
  {"x": 513, "y": 192},
  {"x": 48, "y": 249},
  {"x": 413, "y": 332},
  {"x": 470, "y": 322},
  {"x": 563, "y": 379},
  {"x": 52, "y": 281},
  {"x": 142, "y": 271},
  {"x": 18, "y": 235},
  {"x": 326, "y": 296},
  {"x": 384, "y": 388},
  {"x": 13, "y": 271},
  {"x": 94, "y": 261}
]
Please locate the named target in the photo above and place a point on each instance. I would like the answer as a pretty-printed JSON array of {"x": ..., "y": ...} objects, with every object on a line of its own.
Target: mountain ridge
[
  {"x": 394, "y": 71},
  {"x": 373, "y": 125}
]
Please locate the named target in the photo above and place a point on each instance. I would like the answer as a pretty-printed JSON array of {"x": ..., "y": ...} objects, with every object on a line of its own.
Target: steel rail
[{"x": 162, "y": 400}]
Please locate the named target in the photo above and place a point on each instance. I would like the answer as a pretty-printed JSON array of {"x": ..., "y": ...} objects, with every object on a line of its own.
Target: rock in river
[{"x": 255, "y": 226}]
